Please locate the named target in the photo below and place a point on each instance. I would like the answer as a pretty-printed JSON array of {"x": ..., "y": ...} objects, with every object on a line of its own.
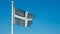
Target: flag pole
[{"x": 12, "y": 18}]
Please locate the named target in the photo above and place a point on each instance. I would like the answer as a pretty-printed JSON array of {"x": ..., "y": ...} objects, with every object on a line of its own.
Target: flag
[{"x": 22, "y": 17}]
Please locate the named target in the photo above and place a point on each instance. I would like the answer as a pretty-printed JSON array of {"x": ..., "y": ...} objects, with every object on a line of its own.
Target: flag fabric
[{"x": 22, "y": 17}]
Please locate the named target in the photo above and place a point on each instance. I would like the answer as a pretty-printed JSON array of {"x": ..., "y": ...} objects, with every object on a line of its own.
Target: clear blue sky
[{"x": 47, "y": 16}]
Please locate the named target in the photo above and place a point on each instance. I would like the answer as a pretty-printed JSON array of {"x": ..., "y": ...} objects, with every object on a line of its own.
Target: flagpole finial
[{"x": 12, "y": 1}]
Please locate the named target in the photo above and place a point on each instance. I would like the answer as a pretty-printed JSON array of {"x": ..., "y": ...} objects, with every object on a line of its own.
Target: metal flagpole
[{"x": 12, "y": 19}]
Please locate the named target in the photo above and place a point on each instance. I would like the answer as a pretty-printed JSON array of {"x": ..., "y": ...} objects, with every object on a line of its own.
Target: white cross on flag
[{"x": 22, "y": 17}]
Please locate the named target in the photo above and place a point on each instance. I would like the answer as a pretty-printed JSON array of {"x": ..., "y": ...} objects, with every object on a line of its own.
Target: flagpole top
[{"x": 12, "y": 1}]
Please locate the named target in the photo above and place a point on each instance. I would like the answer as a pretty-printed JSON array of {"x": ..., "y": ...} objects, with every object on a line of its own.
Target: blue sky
[{"x": 47, "y": 16}]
